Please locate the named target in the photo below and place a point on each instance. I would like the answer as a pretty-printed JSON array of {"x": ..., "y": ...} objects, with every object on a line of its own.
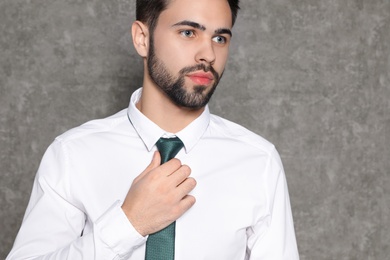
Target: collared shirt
[{"x": 242, "y": 208}]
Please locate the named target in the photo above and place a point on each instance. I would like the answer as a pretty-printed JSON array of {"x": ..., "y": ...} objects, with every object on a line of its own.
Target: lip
[
  {"x": 207, "y": 75},
  {"x": 201, "y": 78}
]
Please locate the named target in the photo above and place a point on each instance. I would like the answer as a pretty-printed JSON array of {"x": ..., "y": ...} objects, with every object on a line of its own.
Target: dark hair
[{"x": 148, "y": 11}]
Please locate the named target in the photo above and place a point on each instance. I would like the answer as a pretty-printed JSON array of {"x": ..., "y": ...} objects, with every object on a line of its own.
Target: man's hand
[{"x": 159, "y": 195}]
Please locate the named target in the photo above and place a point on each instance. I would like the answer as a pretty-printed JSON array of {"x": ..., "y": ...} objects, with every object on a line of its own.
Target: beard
[{"x": 174, "y": 88}]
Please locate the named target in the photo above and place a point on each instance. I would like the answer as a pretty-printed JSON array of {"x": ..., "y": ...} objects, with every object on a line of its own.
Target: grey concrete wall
[{"x": 312, "y": 76}]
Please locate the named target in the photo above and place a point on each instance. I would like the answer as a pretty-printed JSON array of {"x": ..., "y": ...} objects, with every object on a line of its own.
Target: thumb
[{"x": 156, "y": 161}]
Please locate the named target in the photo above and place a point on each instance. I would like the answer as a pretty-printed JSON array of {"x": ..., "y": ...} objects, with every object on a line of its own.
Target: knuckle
[
  {"x": 153, "y": 180},
  {"x": 188, "y": 202},
  {"x": 176, "y": 211},
  {"x": 186, "y": 168},
  {"x": 156, "y": 172},
  {"x": 191, "y": 200},
  {"x": 166, "y": 201},
  {"x": 136, "y": 179},
  {"x": 162, "y": 190},
  {"x": 169, "y": 198},
  {"x": 175, "y": 162},
  {"x": 191, "y": 182}
]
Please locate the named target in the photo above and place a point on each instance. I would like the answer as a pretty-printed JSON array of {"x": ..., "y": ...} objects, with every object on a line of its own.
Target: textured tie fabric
[{"x": 161, "y": 245}]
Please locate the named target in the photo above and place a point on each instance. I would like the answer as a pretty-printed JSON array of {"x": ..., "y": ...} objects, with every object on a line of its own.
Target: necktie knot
[{"x": 168, "y": 148}]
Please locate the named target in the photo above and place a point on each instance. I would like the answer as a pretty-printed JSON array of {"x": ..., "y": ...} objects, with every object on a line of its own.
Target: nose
[{"x": 205, "y": 53}]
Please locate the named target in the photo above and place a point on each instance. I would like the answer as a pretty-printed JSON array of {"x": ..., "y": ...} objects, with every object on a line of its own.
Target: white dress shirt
[{"x": 242, "y": 208}]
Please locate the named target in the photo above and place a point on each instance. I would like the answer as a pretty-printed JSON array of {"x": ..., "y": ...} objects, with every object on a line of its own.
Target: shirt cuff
[{"x": 117, "y": 232}]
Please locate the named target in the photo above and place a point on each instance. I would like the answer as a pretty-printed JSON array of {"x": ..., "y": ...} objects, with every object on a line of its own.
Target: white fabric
[{"x": 242, "y": 208}]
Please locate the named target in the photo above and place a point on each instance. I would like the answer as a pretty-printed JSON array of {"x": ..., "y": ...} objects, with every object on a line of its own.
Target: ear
[{"x": 140, "y": 34}]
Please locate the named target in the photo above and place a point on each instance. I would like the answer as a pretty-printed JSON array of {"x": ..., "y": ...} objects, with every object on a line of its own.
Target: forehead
[{"x": 211, "y": 13}]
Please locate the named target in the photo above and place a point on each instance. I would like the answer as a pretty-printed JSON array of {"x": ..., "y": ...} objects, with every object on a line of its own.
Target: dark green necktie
[{"x": 161, "y": 245}]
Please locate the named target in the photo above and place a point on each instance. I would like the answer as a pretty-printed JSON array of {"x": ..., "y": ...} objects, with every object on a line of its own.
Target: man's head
[
  {"x": 148, "y": 11},
  {"x": 185, "y": 46}
]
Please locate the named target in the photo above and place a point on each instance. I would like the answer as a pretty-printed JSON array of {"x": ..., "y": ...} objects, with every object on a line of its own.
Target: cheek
[
  {"x": 222, "y": 57},
  {"x": 174, "y": 55}
]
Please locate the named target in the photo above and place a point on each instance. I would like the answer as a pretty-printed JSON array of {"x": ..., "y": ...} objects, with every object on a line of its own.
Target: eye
[
  {"x": 187, "y": 33},
  {"x": 219, "y": 39}
]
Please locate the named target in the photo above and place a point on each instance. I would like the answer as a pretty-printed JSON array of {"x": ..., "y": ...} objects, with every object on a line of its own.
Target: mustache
[{"x": 198, "y": 67}]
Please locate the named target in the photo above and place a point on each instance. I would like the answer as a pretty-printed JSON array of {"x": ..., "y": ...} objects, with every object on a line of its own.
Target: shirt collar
[{"x": 149, "y": 132}]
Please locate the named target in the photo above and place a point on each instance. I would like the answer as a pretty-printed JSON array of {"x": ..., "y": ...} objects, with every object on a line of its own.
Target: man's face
[{"x": 189, "y": 49}]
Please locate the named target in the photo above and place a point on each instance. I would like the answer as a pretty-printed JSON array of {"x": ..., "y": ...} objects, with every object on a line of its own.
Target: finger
[
  {"x": 180, "y": 175},
  {"x": 186, "y": 203},
  {"x": 169, "y": 167},
  {"x": 185, "y": 187}
]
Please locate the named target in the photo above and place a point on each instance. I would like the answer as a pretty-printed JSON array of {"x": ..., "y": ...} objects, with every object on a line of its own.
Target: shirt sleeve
[
  {"x": 273, "y": 237},
  {"x": 54, "y": 226}
]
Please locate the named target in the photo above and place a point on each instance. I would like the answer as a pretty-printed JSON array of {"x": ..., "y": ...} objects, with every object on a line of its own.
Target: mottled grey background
[{"x": 312, "y": 76}]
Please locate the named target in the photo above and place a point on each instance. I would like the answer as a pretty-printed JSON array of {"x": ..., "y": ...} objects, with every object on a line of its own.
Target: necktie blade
[{"x": 161, "y": 245}]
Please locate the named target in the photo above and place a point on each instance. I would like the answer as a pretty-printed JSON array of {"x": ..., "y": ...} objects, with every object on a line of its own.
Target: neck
[{"x": 158, "y": 107}]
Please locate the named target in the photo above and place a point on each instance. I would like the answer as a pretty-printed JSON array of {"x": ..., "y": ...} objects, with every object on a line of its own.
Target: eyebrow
[
  {"x": 223, "y": 31},
  {"x": 202, "y": 27}
]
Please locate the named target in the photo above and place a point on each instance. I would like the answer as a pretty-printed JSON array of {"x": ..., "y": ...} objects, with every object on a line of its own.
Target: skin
[{"x": 188, "y": 33}]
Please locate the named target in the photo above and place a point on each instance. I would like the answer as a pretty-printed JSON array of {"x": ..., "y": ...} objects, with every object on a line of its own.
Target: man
[{"x": 101, "y": 193}]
